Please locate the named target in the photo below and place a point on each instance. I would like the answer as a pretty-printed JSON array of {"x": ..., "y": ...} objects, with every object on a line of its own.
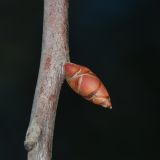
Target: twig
[{"x": 55, "y": 54}]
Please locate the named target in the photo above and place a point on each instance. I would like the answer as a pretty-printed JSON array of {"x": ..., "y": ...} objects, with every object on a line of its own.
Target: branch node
[{"x": 32, "y": 136}]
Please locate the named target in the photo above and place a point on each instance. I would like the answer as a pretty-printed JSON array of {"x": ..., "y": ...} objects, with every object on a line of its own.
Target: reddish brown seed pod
[{"x": 84, "y": 82}]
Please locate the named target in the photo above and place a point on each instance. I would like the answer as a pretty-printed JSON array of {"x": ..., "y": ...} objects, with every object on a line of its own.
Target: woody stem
[{"x": 55, "y": 53}]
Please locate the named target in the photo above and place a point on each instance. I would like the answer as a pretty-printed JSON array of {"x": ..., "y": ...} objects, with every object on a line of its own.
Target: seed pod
[{"x": 84, "y": 82}]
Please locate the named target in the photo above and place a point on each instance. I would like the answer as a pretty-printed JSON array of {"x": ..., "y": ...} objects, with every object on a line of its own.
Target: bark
[{"x": 55, "y": 53}]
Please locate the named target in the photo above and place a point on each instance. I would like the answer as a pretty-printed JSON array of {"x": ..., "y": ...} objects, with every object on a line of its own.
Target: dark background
[{"x": 120, "y": 41}]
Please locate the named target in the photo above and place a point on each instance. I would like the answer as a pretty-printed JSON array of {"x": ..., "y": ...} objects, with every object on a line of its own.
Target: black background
[{"x": 120, "y": 41}]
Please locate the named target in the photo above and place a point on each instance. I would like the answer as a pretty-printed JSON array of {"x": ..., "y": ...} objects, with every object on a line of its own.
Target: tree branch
[{"x": 55, "y": 53}]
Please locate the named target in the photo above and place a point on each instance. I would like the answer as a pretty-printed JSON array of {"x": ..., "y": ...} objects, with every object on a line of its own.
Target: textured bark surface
[{"x": 55, "y": 53}]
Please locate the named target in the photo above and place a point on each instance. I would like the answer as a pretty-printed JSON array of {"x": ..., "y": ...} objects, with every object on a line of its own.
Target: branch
[{"x": 55, "y": 53}]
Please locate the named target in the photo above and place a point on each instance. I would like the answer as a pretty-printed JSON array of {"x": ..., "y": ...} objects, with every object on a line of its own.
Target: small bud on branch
[{"x": 84, "y": 82}]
